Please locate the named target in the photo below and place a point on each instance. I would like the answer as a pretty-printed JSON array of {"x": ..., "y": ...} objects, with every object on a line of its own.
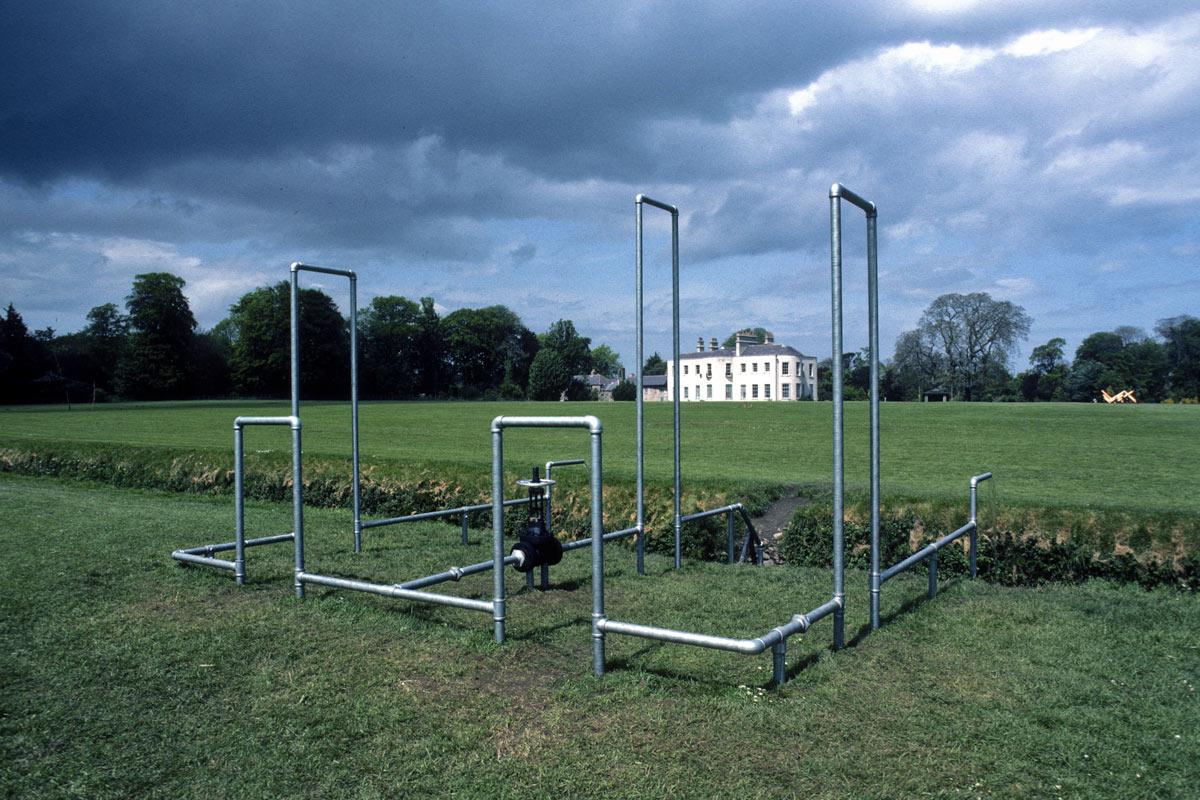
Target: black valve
[{"x": 537, "y": 546}]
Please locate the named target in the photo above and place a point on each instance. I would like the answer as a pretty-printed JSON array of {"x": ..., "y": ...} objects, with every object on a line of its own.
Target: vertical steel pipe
[
  {"x": 835, "y": 272},
  {"x": 465, "y": 528},
  {"x": 729, "y": 536},
  {"x": 779, "y": 663},
  {"x": 873, "y": 335},
  {"x": 239, "y": 507},
  {"x": 974, "y": 549},
  {"x": 298, "y": 502},
  {"x": 357, "y": 488},
  {"x": 498, "y": 532},
  {"x": 294, "y": 333},
  {"x": 597, "y": 553},
  {"x": 675, "y": 400},
  {"x": 641, "y": 364},
  {"x": 933, "y": 578}
]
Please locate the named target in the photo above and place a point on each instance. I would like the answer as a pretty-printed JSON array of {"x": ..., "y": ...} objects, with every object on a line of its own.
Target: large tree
[
  {"x": 606, "y": 361},
  {"x": 1122, "y": 359},
  {"x": 1046, "y": 378},
  {"x": 261, "y": 355},
  {"x": 916, "y": 366},
  {"x": 105, "y": 339},
  {"x": 155, "y": 366},
  {"x": 760, "y": 335},
  {"x": 654, "y": 365},
  {"x": 487, "y": 349},
  {"x": 1182, "y": 353},
  {"x": 23, "y": 359},
  {"x": 973, "y": 336},
  {"x": 389, "y": 330}
]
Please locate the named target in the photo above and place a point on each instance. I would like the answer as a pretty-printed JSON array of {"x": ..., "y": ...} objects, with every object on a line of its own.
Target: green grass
[
  {"x": 1048, "y": 455},
  {"x": 124, "y": 675}
]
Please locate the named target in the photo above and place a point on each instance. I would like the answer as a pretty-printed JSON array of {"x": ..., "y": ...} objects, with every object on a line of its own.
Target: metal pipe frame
[
  {"x": 425, "y": 516},
  {"x": 204, "y": 555},
  {"x": 550, "y": 465},
  {"x": 838, "y": 193},
  {"x": 296, "y": 268},
  {"x": 640, "y": 201},
  {"x": 750, "y": 540},
  {"x": 930, "y": 551},
  {"x": 595, "y": 430}
]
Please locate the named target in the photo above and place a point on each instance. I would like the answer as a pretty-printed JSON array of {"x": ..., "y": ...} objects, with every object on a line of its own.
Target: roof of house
[
  {"x": 747, "y": 350},
  {"x": 654, "y": 381},
  {"x": 598, "y": 380}
]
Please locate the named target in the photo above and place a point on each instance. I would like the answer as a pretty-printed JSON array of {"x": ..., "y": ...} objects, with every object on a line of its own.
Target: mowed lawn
[
  {"x": 124, "y": 675},
  {"x": 1127, "y": 458}
]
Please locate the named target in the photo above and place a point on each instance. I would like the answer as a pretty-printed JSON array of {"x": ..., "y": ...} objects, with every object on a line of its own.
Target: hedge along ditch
[
  {"x": 1006, "y": 557},
  {"x": 394, "y": 490}
]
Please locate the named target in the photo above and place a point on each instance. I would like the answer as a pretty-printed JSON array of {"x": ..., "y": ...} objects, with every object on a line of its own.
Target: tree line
[
  {"x": 154, "y": 350},
  {"x": 964, "y": 343}
]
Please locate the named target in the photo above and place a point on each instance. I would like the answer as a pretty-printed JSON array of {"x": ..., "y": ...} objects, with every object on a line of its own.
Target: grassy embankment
[
  {"x": 124, "y": 675},
  {"x": 1112, "y": 477}
]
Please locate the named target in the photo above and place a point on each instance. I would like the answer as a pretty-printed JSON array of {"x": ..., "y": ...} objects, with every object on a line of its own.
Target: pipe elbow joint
[
  {"x": 594, "y": 424},
  {"x": 294, "y": 423},
  {"x": 498, "y": 424},
  {"x": 296, "y": 266},
  {"x": 835, "y": 190}
]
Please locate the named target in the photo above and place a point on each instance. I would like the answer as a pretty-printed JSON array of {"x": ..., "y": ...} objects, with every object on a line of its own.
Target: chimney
[
  {"x": 699, "y": 344},
  {"x": 770, "y": 337},
  {"x": 737, "y": 345},
  {"x": 712, "y": 344}
]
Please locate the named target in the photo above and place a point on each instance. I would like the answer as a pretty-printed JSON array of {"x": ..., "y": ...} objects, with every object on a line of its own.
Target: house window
[
  {"x": 767, "y": 391},
  {"x": 766, "y": 366},
  {"x": 798, "y": 395},
  {"x": 685, "y": 393},
  {"x": 754, "y": 391},
  {"x": 743, "y": 390},
  {"x": 729, "y": 371},
  {"x": 785, "y": 390},
  {"x": 729, "y": 391},
  {"x": 810, "y": 369},
  {"x": 710, "y": 391},
  {"x": 685, "y": 369},
  {"x": 697, "y": 391},
  {"x": 743, "y": 366},
  {"x": 754, "y": 367},
  {"x": 784, "y": 367}
]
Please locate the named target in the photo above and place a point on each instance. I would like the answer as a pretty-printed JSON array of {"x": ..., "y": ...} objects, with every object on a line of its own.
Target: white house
[{"x": 746, "y": 372}]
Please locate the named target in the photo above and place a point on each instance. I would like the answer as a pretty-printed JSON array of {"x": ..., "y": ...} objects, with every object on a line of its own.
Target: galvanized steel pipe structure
[
  {"x": 751, "y": 544},
  {"x": 595, "y": 429},
  {"x": 640, "y": 201},
  {"x": 205, "y": 554},
  {"x": 930, "y": 551},
  {"x": 296, "y": 269},
  {"x": 837, "y": 193}
]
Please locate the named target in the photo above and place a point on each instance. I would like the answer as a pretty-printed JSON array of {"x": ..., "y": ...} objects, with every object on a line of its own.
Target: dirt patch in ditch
[{"x": 771, "y": 524}]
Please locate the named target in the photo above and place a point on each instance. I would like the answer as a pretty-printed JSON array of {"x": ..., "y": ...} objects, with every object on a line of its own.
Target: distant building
[
  {"x": 601, "y": 384},
  {"x": 654, "y": 388},
  {"x": 939, "y": 395},
  {"x": 746, "y": 372}
]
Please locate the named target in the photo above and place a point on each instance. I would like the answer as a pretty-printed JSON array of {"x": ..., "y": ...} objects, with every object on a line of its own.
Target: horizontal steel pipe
[
  {"x": 345, "y": 273},
  {"x": 922, "y": 554},
  {"x": 641, "y": 198},
  {"x": 590, "y": 422},
  {"x": 712, "y": 512},
  {"x": 608, "y": 537},
  {"x": 798, "y": 624},
  {"x": 457, "y": 573},
  {"x": 395, "y": 591},
  {"x": 224, "y": 546},
  {"x": 837, "y": 190},
  {"x": 447, "y": 512},
  {"x": 192, "y": 558},
  {"x": 242, "y": 422}
]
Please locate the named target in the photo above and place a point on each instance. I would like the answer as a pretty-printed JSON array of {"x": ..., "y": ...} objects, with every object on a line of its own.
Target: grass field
[
  {"x": 124, "y": 675},
  {"x": 1054, "y": 455}
]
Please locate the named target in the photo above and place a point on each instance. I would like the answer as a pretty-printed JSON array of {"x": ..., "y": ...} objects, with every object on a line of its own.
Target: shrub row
[
  {"x": 392, "y": 490},
  {"x": 1004, "y": 556}
]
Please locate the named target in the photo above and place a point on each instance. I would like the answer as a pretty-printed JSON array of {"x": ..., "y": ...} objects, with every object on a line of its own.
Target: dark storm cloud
[{"x": 114, "y": 89}]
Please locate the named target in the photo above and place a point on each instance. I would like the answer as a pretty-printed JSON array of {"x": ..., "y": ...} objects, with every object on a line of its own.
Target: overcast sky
[{"x": 1046, "y": 153}]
